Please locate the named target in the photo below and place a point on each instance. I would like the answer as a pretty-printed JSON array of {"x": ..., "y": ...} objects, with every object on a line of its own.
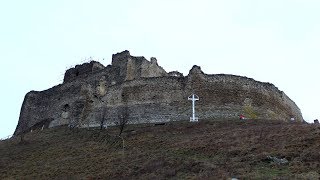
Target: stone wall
[
  {"x": 81, "y": 70},
  {"x": 143, "y": 92},
  {"x": 131, "y": 67}
]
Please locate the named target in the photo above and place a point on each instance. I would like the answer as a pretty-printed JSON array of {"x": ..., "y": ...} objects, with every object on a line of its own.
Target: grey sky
[{"x": 275, "y": 41}]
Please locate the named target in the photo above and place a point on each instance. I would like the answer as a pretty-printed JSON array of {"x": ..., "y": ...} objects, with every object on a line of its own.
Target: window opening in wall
[{"x": 66, "y": 107}]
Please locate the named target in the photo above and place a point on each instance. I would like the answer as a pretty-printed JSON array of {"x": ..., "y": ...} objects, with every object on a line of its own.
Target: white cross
[{"x": 193, "y": 98}]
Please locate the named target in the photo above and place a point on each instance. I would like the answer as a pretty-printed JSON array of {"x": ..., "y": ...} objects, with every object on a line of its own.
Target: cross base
[{"x": 196, "y": 119}]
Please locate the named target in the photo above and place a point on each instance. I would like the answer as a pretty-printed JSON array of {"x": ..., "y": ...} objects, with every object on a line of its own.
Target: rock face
[{"x": 143, "y": 92}]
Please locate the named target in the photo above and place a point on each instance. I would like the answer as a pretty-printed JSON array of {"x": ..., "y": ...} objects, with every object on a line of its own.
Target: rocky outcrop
[{"x": 143, "y": 92}]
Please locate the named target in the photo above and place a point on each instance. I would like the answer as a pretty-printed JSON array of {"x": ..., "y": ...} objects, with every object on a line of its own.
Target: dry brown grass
[{"x": 180, "y": 150}]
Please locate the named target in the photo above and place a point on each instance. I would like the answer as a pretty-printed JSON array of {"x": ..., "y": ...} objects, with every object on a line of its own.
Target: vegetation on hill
[{"x": 178, "y": 150}]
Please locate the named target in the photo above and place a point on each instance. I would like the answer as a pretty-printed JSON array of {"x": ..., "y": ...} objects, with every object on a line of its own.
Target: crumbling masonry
[{"x": 92, "y": 94}]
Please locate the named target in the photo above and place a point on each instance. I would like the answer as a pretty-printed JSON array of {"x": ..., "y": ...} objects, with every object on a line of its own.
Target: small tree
[
  {"x": 22, "y": 138},
  {"x": 23, "y": 126},
  {"x": 122, "y": 122},
  {"x": 122, "y": 119},
  {"x": 103, "y": 118}
]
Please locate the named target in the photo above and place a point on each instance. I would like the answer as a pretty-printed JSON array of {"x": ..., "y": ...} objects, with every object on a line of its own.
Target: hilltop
[{"x": 179, "y": 150}]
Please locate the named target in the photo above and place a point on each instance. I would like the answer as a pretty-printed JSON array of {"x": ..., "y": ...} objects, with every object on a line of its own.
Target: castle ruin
[{"x": 144, "y": 92}]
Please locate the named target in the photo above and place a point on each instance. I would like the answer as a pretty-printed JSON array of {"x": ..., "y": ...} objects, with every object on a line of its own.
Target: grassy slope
[{"x": 210, "y": 149}]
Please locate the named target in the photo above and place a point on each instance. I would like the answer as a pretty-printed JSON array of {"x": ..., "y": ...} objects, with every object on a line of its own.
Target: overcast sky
[{"x": 276, "y": 41}]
